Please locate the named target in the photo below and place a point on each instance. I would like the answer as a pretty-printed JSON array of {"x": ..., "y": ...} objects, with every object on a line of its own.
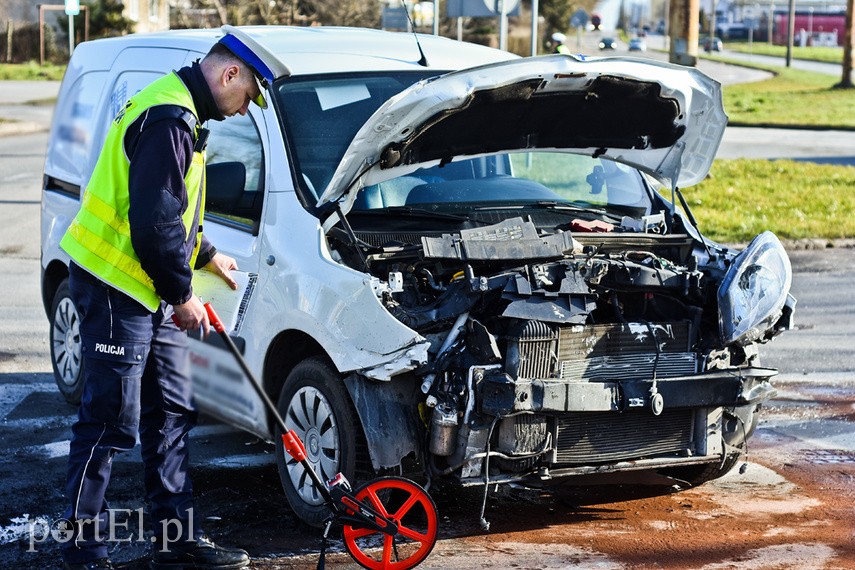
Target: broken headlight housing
[{"x": 753, "y": 293}]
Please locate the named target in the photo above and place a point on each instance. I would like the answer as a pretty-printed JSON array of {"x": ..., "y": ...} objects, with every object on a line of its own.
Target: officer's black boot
[
  {"x": 100, "y": 564},
  {"x": 201, "y": 553}
]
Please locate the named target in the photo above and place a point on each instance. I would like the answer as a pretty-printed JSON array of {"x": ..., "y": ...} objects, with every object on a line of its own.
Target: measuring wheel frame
[
  {"x": 365, "y": 512},
  {"x": 412, "y": 505}
]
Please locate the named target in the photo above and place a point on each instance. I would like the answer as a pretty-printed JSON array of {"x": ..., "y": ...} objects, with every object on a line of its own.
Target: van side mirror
[{"x": 225, "y": 184}]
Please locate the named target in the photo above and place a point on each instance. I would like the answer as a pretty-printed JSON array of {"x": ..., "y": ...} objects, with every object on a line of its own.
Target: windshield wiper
[
  {"x": 568, "y": 207},
  {"x": 414, "y": 212}
]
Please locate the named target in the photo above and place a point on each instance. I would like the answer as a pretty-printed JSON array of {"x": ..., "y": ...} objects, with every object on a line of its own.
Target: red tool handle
[
  {"x": 214, "y": 318},
  {"x": 294, "y": 446}
]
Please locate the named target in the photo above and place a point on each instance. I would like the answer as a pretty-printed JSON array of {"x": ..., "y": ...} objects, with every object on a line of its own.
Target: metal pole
[
  {"x": 666, "y": 32},
  {"x": 712, "y": 25},
  {"x": 41, "y": 35},
  {"x": 503, "y": 27},
  {"x": 810, "y": 24},
  {"x": 9, "y": 30},
  {"x": 683, "y": 32},
  {"x": 771, "y": 23},
  {"x": 791, "y": 28},
  {"x": 751, "y": 38},
  {"x": 70, "y": 35},
  {"x": 535, "y": 10},
  {"x": 436, "y": 17},
  {"x": 459, "y": 29}
]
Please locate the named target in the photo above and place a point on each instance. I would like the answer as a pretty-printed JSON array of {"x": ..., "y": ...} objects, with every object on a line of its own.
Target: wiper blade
[
  {"x": 572, "y": 207},
  {"x": 568, "y": 207},
  {"x": 414, "y": 212}
]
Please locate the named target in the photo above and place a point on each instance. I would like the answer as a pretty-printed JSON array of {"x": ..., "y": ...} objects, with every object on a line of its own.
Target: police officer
[
  {"x": 133, "y": 247},
  {"x": 558, "y": 39}
]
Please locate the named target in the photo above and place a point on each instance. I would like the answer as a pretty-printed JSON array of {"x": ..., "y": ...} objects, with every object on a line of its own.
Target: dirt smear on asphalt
[{"x": 792, "y": 509}]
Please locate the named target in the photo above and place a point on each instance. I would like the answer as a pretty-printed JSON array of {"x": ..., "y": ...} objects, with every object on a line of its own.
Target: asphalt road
[{"x": 792, "y": 508}]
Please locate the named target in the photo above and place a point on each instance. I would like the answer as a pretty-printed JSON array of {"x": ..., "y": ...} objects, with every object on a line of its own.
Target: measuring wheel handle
[
  {"x": 392, "y": 510},
  {"x": 294, "y": 446}
]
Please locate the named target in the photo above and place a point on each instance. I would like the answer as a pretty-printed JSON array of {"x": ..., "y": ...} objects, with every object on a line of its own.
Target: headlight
[{"x": 753, "y": 292}]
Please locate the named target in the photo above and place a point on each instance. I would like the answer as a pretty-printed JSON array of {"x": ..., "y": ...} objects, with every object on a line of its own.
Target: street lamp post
[
  {"x": 810, "y": 24},
  {"x": 771, "y": 23},
  {"x": 503, "y": 25}
]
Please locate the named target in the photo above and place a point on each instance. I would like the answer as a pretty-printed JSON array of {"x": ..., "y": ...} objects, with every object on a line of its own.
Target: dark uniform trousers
[{"x": 137, "y": 380}]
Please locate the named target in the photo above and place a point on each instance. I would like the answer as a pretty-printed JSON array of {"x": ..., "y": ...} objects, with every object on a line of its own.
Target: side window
[
  {"x": 126, "y": 86},
  {"x": 74, "y": 135},
  {"x": 234, "y": 147}
]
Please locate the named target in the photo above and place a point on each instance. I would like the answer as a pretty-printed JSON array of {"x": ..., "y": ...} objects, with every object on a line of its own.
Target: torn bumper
[{"x": 500, "y": 395}]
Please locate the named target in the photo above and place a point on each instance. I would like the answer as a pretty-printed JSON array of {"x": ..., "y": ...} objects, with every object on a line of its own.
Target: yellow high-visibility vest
[{"x": 99, "y": 238}]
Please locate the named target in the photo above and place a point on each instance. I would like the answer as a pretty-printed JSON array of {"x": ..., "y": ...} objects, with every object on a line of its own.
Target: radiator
[
  {"x": 603, "y": 437},
  {"x": 605, "y": 352}
]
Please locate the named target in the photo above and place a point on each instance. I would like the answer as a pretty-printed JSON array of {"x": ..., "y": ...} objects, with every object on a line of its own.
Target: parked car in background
[
  {"x": 429, "y": 286},
  {"x": 607, "y": 43},
  {"x": 637, "y": 44},
  {"x": 711, "y": 44}
]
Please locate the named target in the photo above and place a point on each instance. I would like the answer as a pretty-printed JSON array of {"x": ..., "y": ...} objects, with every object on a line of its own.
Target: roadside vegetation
[
  {"x": 814, "y": 53},
  {"x": 795, "y": 200},
  {"x": 30, "y": 71},
  {"x": 792, "y": 98}
]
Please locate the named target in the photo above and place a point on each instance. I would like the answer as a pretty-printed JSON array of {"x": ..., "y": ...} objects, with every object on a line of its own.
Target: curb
[
  {"x": 818, "y": 243},
  {"x": 20, "y": 128},
  {"x": 803, "y": 244},
  {"x": 791, "y": 127}
]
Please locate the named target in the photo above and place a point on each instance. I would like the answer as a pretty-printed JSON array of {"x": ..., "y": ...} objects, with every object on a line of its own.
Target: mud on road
[{"x": 791, "y": 509}]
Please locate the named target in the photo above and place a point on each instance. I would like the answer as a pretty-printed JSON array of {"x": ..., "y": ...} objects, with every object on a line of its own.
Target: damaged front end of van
[{"x": 520, "y": 219}]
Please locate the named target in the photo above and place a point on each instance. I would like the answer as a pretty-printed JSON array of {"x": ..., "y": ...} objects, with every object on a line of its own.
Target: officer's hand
[
  {"x": 222, "y": 265},
  {"x": 191, "y": 316}
]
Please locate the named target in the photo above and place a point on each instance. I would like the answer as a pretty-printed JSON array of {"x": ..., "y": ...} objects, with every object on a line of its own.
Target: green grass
[
  {"x": 30, "y": 71},
  {"x": 792, "y": 98},
  {"x": 815, "y": 53},
  {"x": 795, "y": 200}
]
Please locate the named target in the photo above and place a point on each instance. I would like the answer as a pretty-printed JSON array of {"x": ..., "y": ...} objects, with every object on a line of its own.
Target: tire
[
  {"x": 66, "y": 344},
  {"x": 314, "y": 403}
]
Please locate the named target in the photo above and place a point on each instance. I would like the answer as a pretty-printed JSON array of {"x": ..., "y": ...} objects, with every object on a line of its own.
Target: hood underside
[{"x": 663, "y": 119}]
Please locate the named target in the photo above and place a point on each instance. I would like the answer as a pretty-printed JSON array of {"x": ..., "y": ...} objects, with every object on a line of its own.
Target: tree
[
  {"x": 359, "y": 13},
  {"x": 365, "y": 13},
  {"x": 556, "y": 14},
  {"x": 105, "y": 19},
  {"x": 848, "y": 46}
]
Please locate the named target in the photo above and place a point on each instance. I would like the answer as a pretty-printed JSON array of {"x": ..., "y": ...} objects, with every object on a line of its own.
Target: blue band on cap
[{"x": 246, "y": 55}]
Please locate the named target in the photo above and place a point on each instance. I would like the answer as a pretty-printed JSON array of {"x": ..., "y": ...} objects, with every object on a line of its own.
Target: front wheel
[
  {"x": 316, "y": 405},
  {"x": 66, "y": 345}
]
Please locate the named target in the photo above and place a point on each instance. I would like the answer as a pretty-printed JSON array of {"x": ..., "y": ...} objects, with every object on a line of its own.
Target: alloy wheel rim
[
  {"x": 66, "y": 342},
  {"x": 310, "y": 415}
]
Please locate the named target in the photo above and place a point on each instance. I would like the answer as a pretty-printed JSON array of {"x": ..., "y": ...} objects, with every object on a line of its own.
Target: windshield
[
  {"x": 322, "y": 115},
  {"x": 515, "y": 180}
]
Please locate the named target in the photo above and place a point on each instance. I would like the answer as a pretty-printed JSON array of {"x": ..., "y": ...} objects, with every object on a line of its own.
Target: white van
[{"x": 453, "y": 260}]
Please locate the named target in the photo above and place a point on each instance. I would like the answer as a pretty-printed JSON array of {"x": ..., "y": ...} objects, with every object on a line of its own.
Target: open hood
[{"x": 664, "y": 119}]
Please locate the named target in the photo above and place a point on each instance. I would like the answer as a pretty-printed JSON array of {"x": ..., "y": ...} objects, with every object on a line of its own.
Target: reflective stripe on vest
[{"x": 99, "y": 237}]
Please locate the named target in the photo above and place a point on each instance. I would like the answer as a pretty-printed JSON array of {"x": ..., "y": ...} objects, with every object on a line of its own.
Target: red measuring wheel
[{"x": 413, "y": 511}]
